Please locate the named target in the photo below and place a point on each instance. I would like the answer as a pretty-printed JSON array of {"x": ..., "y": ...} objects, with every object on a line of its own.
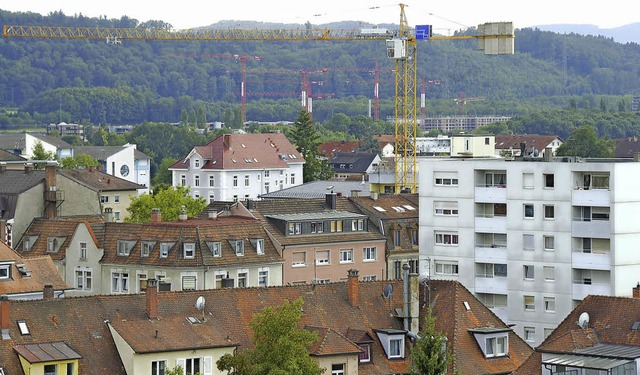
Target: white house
[
  {"x": 531, "y": 239},
  {"x": 239, "y": 166}
]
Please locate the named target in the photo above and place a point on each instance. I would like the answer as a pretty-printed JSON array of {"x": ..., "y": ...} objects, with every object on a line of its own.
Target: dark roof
[
  {"x": 330, "y": 149},
  {"x": 102, "y": 152},
  {"x": 47, "y": 352},
  {"x": 10, "y": 156},
  {"x": 627, "y": 147},
  {"x": 59, "y": 143},
  {"x": 12, "y": 141},
  {"x": 18, "y": 181},
  {"x": 319, "y": 188},
  {"x": 354, "y": 162},
  {"x": 99, "y": 181},
  {"x": 245, "y": 151},
  {"x": 531, "y": 140}
]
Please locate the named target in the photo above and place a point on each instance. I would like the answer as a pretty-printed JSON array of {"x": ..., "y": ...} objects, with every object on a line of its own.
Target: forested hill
[{"x": 137, "y": 81}]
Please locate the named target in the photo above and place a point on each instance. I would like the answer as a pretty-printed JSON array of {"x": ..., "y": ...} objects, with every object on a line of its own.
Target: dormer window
[
  {"x": 258, "y": 243},
  {"x": 392, "y": 341},
  {"x": 493, "y": 341},
  {"x": 196, "y": 163},
  {"x": 238, "y": 246},
  {"x": 365, "y": 355},
  {"x": 189, "y": 250},
  {"x": 164, "y": 249},
  {"x": 124, "y": 247},
  {"x": 5, "y": 271},
  {"x": 216, "y": 248},
  {"x": 496, "y": 347}
]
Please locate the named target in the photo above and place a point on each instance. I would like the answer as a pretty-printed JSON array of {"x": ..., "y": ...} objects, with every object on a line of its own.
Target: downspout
[{"x": 405, "y": 269}]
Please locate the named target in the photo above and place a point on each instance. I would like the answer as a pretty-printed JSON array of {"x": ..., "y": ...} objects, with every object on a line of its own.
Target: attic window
[
  {"x": 5, "y": 271},
  {"x": 256, "y": 160},
  {"x": 635, "y": 326},
  {"x": 243, "y": 146},
  {"x": 193, "y": 320},
  {"x": 410, "y": 208},
  {"x": 23, "y": 270},
  {"x": 466, "y": 305},
  {"x": 24, "y": 330},
  {"x": 398, "y": 209},
  {"x": 380, "y": 209}
]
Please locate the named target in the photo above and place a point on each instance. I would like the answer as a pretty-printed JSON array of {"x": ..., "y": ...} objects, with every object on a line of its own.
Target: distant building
[
  {"x": 331, "y": 149},
  {"x": 526, "y": 145},
  {"x": 22, "y": 144},
  {"x": 65, "y": 129},
  {"x": 463, "y": 123},
  {"x": 354, "y": 164}
]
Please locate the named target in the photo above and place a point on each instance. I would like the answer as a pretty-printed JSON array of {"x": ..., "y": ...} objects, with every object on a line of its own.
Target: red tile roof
[{"x": 331, "y": 149}]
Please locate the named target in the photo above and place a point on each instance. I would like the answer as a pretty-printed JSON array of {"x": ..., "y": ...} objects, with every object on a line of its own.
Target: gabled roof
[
  {"x": 10, "y": 156},
  {"x": 244, "y": 151},
  {"x": 99, "y": 181},
  {"x": 319, "y": 188},
  {"x": 330, "y": 149},
  {"x": 101, "y": 153},
  {"x": 55, "y": 141},
  {"x": 354, "y": 162},
  {"x": 18, "y": 181},
  {"x": 389, "y": 207},
  {"x": 29, "y": 275},
  {"x": 539, "y": 142}
]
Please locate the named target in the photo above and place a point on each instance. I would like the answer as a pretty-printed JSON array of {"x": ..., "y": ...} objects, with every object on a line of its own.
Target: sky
[{"x": 446, "y": 16}]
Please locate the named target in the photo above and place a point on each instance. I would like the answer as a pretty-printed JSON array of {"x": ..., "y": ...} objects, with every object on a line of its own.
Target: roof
[
  {"x": 56, "y": 351},
  {"x": 626, "y": 147},
  {"x": 353, "y": 162},
  {"x": 609, "y": 333},
  {"x": 99, "y": 181},
  {"x": 103, "y": 152},
  {"x": 539, "y": 142},
  {"x": 319, "y": 188},
  {"x": 16, "y": 141},
  {"x": 330, "y": 149},
  {"x": 245, "y": 151},
  {"x": 386, "y": 139},
  {"x": 389, "y": 207},
  {"x": 18, "y": 181},
  {"x": 29, "y": 275},
  {"x": 10, "y": 156}
]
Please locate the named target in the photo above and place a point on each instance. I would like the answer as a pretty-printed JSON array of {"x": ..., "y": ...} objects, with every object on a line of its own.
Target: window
[
  {"x": 530, "y": 303},
  {"x": 83, "y": 279},
  {"x": 146, "y": 248},
  {"x": 189, "y": 250},
  {"x": 212, "y": 198},
  {"x": 5, "y": 271},
  {"x": 196, "y": 180},
  {"x": 369, "y": 278},
  {"x": 266, "y": 174},
  {"x": 317, "y": 227},
  {"x": 188, "y": 282},
  {"x": 196, "y": 163},
  {"x": 193, "y": 366},
  {"x": 549, "y": 182},
  {"x": 235, "y": 181},
  {"x": 528, "y": 272},
  {"x": 260, "y": 246},
  {"x": 120, "y": 282},
  {"x": 549, "y": 212},
  {"x": 266, "y": 187},
  {"x": 239, "y": 247},
  {"x": 242, "y": 279},
  {"x": 369, "y": 254},
  {"x": 263, "y": 278},
  {"x": 246, "y": 180},
  {"x": 116, "y": 215},
  {"x": 549, "y": 304},
  {"x": 322, "y": 257},
  {"x": 549, "y": 273},
  {"x": 142, "y": 282},
  {"x": 529, "y": 334},
  {"x": 216, "y": 249},
  {"x": 52, "y": 245},
  {"x": 495, "y": 179},
  {"x": 164, "y": 249},
  {"x": 527, "y": 180},
  {"x": 337, "y": 369},
  {"x": 50, "y": 369},
  {"x": 414, "y": 237},
  {"x": 293, "y": 178},
  {"x": 549, "y": 242},
  {"x": 357, "y": 225},
  {"x": 395, "y": 348},
  {"x": 116, "y": 199},
  {"x": 346, "y": 256},
  {"x": 219, "y": 276},
  {"x": 528, "y": 211},
  {"x": 212, "y": 181},
  {"x": 365, "y": 355},
  {"x": 445, "y": 178},
  {"x": 336, "y": 225},
  {"x": 124, "y": 247},
  {"x": 104, "y": 199},
  {"x": 496, "y": 346},
  {"x": 397, "y": 237},
  {"x": 446, "y": 239},
  {"x": 295, "y": 228},
  {"x": 158, "y": 367},
  {"x": 445, "y": 208},
  {"x": 299, "y": 259},
  {"x": 447, "y": 268},
  {"x": 83, "y": 250},
  {"x": 183, "y": 179},
  {"x": 527, "y": 242}
]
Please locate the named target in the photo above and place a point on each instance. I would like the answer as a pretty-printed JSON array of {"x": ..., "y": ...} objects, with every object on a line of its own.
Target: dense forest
[{"x": 553, "y": 83}]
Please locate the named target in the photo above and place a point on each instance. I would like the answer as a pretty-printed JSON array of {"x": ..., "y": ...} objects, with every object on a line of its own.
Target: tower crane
[
  {"x": 401, "y": 46},
  {"x": 461, "y": 100}
]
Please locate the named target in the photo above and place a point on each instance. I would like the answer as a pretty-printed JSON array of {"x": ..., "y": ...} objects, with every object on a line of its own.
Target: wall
[
  {"x": 30, "y": 204},
  {"x": 78, "y": 199},
  {"x": 74, "y": 262}
]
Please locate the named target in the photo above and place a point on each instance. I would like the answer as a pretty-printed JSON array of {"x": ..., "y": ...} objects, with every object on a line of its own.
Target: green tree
[
  {"x": 163, "y": 175},
  {"x": 78, "y": 161},
  {"x": 584, "y": 142},
  {"x": 170, "y": 202},
  {"x": 276, "y": 327},
  {"x": 39, "y": 153},
  {"x": 306, "y": 138},
  {"x": 429, "y": 355}
]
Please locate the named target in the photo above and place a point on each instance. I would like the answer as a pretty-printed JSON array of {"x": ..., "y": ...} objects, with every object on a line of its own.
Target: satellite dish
[
  {"x": 200, "y": 303},
  {"x": 387, "y": 291},
  {"x": 424, "y": 277},
  {"x": 583, "y": 320}
]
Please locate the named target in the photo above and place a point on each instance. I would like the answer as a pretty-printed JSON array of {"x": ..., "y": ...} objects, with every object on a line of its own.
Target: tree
[
  {"x": 584, "y": 142},
  {"x": 79, "y": 161},
  {"x": 307, "y": 140},
  {"x": 429, "y": 355},
  {"x": 276, "y": 327},
  {"x": 39, "y": 153},
  {"x": 170, "y": 202},
  {"x": 163, "y": 175}
]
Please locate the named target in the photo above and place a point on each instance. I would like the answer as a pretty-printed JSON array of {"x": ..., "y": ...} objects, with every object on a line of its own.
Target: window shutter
[{"x": 207, "y": 366}]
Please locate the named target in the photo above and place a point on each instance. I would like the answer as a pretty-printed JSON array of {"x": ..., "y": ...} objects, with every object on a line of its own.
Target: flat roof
[{"x": 583, "y": 361}]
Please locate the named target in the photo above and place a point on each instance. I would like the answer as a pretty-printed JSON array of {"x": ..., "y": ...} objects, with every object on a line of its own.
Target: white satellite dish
[
  {"x": 583, "y": 320},
  {"x": 387, "y": 291},
  {"x": 200, "y": 305},
  {"x": 424, "y": 277}
]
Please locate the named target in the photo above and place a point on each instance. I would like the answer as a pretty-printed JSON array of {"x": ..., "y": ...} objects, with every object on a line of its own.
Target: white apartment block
[
  {"x": 531, "y": 238},
  {"x": 239, "y": 166}
]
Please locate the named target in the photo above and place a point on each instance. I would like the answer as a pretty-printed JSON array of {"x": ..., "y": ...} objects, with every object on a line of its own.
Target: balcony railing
[
  {"x": 594, "y": 260},
  {"x": 582, "y": 288}
]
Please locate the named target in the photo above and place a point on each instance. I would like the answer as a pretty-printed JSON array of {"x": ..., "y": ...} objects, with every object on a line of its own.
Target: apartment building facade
[{"x": 531, "y": 238}]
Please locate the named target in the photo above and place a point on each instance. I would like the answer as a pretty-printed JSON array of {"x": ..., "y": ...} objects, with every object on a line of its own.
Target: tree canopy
[
  {"x": 429, "y": 354},
  {"x": 306, "y": 139},
  {"x": 584, "y": 142},
  {"x": 170, "y": 202}
]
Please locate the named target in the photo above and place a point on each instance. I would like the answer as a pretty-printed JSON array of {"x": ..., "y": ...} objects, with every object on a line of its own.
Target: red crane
[{"x": 376, "y": 84}]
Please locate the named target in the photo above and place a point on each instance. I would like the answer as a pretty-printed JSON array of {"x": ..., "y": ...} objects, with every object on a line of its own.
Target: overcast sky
[{"x": 444, "y": 15}]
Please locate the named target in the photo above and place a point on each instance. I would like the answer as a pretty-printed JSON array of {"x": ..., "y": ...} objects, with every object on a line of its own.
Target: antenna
[
  {"x": 583, "y": 320},
  {"x": 387, "y": 292},
  {"x": 200, "y": 305}
]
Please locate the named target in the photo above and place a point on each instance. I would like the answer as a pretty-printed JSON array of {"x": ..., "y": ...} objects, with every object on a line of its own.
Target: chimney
[
  {"x": 108, "y": 215},
  {"x": 331, "y": 200},
  {"x": 636, "y": 291},
  {"x": 47, "y": 292},
  {"x": 28, "y": 167},
  {"x": 183, "y": 214},
  {"x": 352, "y": 288},
  {"x": 249, "y": 204},
  {"x": 212, "y": 214},
  {"x": 3, "y": 167},
  {"x": 152, "y": 298},
  {"x": 156, "y": 215},
  {"x": 548, "y": 153},
  {"x": 374, "y": 195},
  {"x": 4, "y": 317},
  {"x": 414, "y": 303}
]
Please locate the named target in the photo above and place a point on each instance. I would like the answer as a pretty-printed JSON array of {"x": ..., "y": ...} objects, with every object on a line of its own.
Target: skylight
[
  {"x": 380, "y": 209},
  {"x": 22, "y": 325},
  {"x": 398, "y": 209},
  {"x": 410, "y": 208}
]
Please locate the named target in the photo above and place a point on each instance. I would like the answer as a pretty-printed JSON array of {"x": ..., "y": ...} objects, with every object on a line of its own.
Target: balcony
[
  {"x": 491, "y": 253},
  {"x": 591, "y": 261},
  {"x": 491, "y": 193},
  {"x": 491, "y": 285},
  {"x": 581, "y": 290},
  {"x": 591, "y": 197},
  {"x": 501, "y": 312},
  {"x": 491, "y": 224},
  {"x": 581, "y": 227}
]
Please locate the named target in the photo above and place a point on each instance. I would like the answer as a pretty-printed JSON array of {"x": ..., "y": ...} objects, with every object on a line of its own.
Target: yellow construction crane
[{"x": 401, "y": 45}]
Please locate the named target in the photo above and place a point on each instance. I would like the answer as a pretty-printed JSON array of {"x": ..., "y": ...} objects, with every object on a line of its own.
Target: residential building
[
  {"x": 239, "y": 166},
  {"x": 433, "y": 146},
  {"x": 9, "y": 160},
  {"x": 126, "y": 162},
  {"x": 28, "y": 278},
  {"x": 354, "y": 164},
  {"x": 531, "y": 239},
  {"x": 332, "y": 148},
  {"x": 397, "y": 217},
  {"x": 600, "y": 336},
  {"x": 472, "y": 145},
  {"x": 320, "y": 188},
  {"x": 463, "y": 123},
  {"x": 65, "y": 129},
  {"x": 530, "y": 145},
  {"x": 320, "y": 239},
  {"x": 360, "y": 327},
  {"x": 22, "y": 144},
  {"x": 627, "y": 147}
]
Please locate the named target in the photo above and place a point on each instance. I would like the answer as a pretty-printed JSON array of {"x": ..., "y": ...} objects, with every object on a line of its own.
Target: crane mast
[{"x": 493, "y": 38}]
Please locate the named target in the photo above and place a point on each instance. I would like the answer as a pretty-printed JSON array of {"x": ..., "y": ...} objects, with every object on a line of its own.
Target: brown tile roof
[
  {"x": 626, "y": 147},
  {"x": 331, "y": 342},
  {"x": 41, "y": 269},
  {"x": 331, "y": 149},
  {"x": 386, "y": 138},
  {"x": 245, "y": 151},
  {"x": 531, "y": 140},
  {"x": 388, "y": 202},
  {"x": 99, "y": 181}
]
